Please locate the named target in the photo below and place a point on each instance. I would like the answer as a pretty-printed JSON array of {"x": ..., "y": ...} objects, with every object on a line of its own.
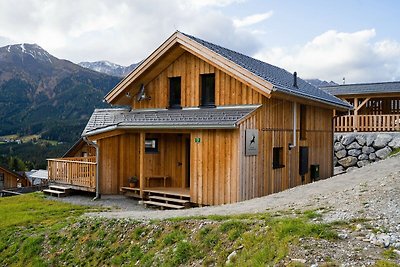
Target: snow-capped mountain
[
  {"x": 21, "y": 52},
  {"x": 108, "y": 68}
]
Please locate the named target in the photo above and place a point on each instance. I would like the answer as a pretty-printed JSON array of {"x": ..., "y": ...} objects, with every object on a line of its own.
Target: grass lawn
[{"x": 39, "y": 232}]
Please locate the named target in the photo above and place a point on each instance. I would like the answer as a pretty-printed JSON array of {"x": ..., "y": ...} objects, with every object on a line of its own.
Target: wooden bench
[{"x": 156, "y": 177}]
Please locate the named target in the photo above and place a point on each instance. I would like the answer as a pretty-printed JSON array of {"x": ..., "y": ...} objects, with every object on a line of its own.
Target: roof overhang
[
  {"x": 171, "y": 49},
  {"x": 228, "y": 117}
]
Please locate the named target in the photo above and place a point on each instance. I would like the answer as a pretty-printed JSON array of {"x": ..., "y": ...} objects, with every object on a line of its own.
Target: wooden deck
[{"x": 79, "y": 172}]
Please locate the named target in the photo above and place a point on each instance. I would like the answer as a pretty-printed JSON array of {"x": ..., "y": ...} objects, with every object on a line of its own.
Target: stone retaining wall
[{"x": 355, "y": 150}]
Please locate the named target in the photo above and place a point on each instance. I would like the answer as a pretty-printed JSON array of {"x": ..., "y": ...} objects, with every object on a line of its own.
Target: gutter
[
  {"x": 98, "y": 196},
  {"x": 299, "y": 94}
]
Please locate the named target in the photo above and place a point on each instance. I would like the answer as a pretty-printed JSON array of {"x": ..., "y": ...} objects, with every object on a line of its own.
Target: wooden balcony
[
  {"x": 367, "y": 123},
  {"x": 78, "y": 173}
]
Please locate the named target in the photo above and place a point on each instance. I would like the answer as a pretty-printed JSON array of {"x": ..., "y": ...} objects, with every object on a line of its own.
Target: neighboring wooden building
[
  {"x": 11, "y": 179},
  {"x": 376, "y": 107},
  {"x": 209, "y": 124}
]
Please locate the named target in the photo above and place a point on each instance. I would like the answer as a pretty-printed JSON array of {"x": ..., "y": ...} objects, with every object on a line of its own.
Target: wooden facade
[
  {"x": 10, "y": 179},
  {"x": 212, "y": 163}
]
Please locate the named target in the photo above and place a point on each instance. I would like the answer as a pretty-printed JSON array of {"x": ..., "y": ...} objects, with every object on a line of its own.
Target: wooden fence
[
  {"x": 367, "y": 123},
  {"x": 73, "y": 171}
]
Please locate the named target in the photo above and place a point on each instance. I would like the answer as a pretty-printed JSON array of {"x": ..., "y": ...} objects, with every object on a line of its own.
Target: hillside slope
[{"x": 41, "y": 94}]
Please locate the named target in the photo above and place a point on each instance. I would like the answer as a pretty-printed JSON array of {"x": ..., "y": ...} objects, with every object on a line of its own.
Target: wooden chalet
[
  {"x": 10, "y": 179},
  {"x": 376, "y": 107},
  {"x": 207, "y": 125}
]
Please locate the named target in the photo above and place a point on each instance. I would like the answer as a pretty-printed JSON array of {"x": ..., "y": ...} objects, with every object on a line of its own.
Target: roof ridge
[{"x": 353, "y": 84}]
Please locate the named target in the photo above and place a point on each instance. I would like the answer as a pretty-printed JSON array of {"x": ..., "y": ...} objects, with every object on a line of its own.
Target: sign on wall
[{"x": 251, "y": 145}]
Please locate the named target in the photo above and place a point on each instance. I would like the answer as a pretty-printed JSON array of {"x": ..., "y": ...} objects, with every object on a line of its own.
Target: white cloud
[
  {"x": 122, "y": 31},
  {"x": 334, "y": 55},
  {"x": 252, "y": 19}
]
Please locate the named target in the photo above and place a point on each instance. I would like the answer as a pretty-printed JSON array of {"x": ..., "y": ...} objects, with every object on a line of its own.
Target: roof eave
[{"x": 160, "y": 127}]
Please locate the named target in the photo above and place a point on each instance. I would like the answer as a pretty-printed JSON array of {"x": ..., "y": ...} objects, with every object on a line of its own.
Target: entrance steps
[
  {"x": 57, "y": 190},
  {"x": 168, "y": 201}
]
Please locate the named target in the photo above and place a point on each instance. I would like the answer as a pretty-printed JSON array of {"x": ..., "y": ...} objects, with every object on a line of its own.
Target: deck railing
[
  {"x": 367, "y": 123},
  {"x": 73, "y": 171}
]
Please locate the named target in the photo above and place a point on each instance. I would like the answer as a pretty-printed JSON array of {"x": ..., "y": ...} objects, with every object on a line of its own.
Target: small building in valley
[
  {"x": 10, "y": 179},
  {"x": 207, "y": 124}
]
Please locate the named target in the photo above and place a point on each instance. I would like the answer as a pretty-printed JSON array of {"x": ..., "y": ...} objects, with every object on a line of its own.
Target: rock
[
  {"x": 383, "y": 240},
  {"x": 343, "y": 235},
  {"x": 303, "y": 261},
  {"x": 348, "y": 139},
  {"x": 361, "y": 140},
  {"x": 363, "y": 157},
  {"x": 395, "y": 143},
  {"x": 335, "y": 159},
  {"x": 348, "y": 161},
  {"x": 367, "y": 149},
  {"x": 351, "y": 169},
  {"x": 338, "y": 146},
  {"x": 382, "y": 140},
  {"x": 354, "y": 152},
  {"x": 362, "y": 163},
  {"x": 372, "y": 156},
  {"x": 341, "y": 154},
  {"x": 231, "y": 256},
  {"x": 338, "y": 170},
  {"x": 369, "y": 139},
  {"x": 353, "y": 145},
  {"x": 383, "y": 153}
]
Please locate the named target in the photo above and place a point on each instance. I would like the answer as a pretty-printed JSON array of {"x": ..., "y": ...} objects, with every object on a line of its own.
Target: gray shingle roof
[
  {"x": 280, "y": 78},
  {"x": 199, "y": 118},
  {"x": 363, "y": 88}
]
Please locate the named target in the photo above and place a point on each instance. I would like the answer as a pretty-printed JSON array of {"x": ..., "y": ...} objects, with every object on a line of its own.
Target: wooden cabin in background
[
  {"x": 376, "y": 107},
  {"x": 10, "y": 179},
  {"x": 208, "y": 125}
]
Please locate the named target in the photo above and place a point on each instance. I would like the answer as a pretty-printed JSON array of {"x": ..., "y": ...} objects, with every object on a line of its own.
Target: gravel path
[{"x": 373, "y": 190}]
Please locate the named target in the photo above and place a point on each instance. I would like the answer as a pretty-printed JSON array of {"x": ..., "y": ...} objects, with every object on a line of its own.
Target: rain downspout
[
  {"x": 294, "y": 143},
  {"x": 97, "y": 165}
]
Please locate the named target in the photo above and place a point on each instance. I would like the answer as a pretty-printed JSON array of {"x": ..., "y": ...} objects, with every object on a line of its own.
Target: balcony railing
[
  {"x": 367, "y": 123},
  {"x": 73, "y": 171}
]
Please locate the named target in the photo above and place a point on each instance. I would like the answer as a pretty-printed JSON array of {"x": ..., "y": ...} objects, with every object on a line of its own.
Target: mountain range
[
  {"x": 41, "y": 94},
  {"x": 108, "y": 67}
]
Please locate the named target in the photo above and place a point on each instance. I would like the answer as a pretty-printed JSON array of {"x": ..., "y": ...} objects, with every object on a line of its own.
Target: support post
[
  {"x": 141, "y": 162},
  {"x": 355, "y": 120}
]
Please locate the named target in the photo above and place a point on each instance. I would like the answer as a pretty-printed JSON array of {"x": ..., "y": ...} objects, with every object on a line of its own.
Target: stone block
[
  {"x": 348, "y": 139},
  {"x": 341, "y": 153},
  {"x": 354, "y": 152},
  {"x": 353, "y": 145},
  {"x": 382, "y": 140},
  {"x": 383, "y": 153},
  {"x": 368, "y": 149},
  {"x": 348, "y": 161}
]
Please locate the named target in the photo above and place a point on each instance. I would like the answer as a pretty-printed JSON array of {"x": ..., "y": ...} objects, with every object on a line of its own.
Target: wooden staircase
[
  {"x": 166, "y": 200},
  {"x": 57, "y": 190}
]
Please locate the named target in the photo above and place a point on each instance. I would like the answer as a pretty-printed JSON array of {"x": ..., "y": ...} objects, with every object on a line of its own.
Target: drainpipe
[
  {"x": 293, "y": 145},
  {"x": 98, "y": 196}
]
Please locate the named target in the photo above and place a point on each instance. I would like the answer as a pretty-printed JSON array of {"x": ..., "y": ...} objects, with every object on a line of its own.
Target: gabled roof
[
  {"x": 281, "y": 79},
  {"x": 363, "y": 88},
  {"x": 262, "y": 77},
  {"x": 16, "y": 174},
  {"x": 103, "y": 120}
]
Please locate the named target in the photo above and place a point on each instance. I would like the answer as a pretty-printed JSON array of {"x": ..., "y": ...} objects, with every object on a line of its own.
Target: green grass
[{"x": 39, "y": 232}]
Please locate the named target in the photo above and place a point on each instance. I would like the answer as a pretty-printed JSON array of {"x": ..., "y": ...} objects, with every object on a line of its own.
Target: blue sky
[{"x": 329, "y": 40}]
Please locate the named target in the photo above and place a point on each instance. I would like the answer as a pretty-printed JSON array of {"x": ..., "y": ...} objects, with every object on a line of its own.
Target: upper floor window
[
  {"x": 175, "y": 92},
  {"x": 303, "y": 122},
  {"x": 207, "y": 90}
]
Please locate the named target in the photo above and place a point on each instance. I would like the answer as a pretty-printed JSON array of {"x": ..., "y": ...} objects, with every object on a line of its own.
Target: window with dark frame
[
  {"x": 303, "y": 122},
  {"x": 175, "y": 92},
  {"x": 277, "y": 158},
  {"x": 207, "y": 90},
  {"x": 151, "y": 145}
]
